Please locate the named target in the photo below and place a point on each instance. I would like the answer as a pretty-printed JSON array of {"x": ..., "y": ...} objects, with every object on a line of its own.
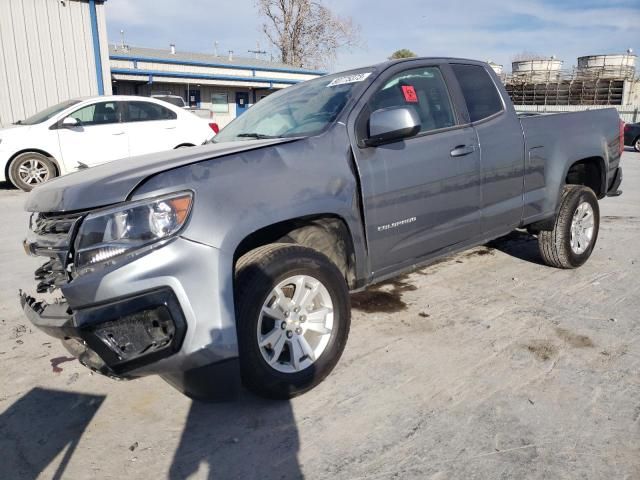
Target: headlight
[{"x": 129, "y": 227}]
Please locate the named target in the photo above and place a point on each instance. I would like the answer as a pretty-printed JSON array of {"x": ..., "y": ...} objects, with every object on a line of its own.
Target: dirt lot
[{"x": 486, "y": 365}]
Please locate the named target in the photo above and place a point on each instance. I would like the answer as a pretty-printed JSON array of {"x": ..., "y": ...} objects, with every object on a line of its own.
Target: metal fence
[{"x": 628, "y": 113}]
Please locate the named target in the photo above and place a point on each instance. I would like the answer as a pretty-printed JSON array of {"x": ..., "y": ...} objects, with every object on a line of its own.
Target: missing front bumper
[{"x": 117, "y": 337}]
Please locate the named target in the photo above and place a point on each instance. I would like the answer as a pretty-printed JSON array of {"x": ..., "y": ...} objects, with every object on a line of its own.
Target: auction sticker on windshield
[{"x": 357, "y": 77}]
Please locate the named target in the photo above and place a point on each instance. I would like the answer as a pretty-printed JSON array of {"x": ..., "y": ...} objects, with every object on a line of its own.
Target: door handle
[
  {"x": 462, "y": 150},
  {"x": 170, "y": 128},
  {"x": 117, "y": 133}
]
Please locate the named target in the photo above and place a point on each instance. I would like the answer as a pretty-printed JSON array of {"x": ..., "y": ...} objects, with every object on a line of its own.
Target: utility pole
[{"x": 257, "y": 51}]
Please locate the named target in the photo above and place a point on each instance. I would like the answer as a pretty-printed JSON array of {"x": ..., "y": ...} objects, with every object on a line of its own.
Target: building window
[{"x": 220, "y": 102}]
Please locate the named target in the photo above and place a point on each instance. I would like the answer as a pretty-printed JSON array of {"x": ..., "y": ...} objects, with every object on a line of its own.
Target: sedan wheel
[{"x": 31, "y": 169}]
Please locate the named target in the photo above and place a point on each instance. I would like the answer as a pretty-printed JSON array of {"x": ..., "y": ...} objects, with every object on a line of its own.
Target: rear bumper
[{"x": 614, "y": 183}]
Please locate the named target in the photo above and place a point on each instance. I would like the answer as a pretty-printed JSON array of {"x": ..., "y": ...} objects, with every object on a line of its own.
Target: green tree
[{"x": 402, "y": 53}]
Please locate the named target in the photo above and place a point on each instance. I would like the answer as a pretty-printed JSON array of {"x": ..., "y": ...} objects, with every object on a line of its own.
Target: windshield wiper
[
  {"x": 259, "y": 136},
  {"x": 19, "y": 122}
]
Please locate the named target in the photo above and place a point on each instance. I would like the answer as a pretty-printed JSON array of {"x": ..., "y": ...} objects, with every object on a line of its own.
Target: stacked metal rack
[{"x": 597, "y": 80}]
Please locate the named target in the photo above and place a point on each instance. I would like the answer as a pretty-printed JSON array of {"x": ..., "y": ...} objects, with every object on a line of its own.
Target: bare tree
[{"x": 305, "y": 32}]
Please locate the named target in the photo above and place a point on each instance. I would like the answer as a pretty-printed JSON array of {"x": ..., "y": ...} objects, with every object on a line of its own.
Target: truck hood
[{"x": 113, "y": 182}]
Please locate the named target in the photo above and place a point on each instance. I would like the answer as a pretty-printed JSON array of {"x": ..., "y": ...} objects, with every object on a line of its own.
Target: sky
[{"x": 493, "y": 30}]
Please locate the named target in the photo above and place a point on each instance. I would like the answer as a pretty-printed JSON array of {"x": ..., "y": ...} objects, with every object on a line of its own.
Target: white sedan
[{"x": 82, "y": 133}]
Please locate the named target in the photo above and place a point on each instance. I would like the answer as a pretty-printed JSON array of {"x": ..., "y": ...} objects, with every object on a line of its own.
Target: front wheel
[
  {"x": 30, "y": 169},
  {"x": 293, "y": 318},
  {"x": 636, "y": 145},
  {"x": 575, "y": 231}
]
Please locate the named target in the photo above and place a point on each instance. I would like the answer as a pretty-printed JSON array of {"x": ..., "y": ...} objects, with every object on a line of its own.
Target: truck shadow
[
  {"x": 518, "y": 244},
  {"x": 39, "y": 426},
  {"x": 249, "y": 438}
]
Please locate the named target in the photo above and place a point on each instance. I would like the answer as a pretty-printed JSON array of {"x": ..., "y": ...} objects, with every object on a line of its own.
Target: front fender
[{"x": 240, "y": 194}]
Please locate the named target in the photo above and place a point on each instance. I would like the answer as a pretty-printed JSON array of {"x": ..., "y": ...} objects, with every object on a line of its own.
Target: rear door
[
  {"x": 501, "y": 148},
  {"x": 151, "y": 127},
  {"x": 100, "y": 136},
  {"x": 421, "y": 194}
]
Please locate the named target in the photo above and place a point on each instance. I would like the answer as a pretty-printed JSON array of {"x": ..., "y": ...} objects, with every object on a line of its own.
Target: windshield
[
  {"x": 302, "y": 110},
  {"x": 47, "y": 113}
]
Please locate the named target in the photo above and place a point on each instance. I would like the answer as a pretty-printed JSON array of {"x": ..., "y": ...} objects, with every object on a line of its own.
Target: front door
[
  {"x": 100, "y": 136},
  {"x": 421, "y": 194},
  {"x": 242, "y": 103}
]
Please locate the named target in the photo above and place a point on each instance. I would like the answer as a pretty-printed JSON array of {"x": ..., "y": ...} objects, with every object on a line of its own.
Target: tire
[
  {"x": 273, "y": 369},
  {"x": 30, "y": 169},
  {"x": 636, "y": 145},
  {"x": 569, "y": 246}
]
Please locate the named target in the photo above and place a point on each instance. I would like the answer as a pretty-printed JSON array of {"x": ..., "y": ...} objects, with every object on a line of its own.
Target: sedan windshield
[
  {"x": 47, "y": 113},
  {"x": 303, "y": 110}
]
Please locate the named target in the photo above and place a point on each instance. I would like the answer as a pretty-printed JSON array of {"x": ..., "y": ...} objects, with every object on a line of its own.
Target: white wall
[{"x": 46, "y": 55}]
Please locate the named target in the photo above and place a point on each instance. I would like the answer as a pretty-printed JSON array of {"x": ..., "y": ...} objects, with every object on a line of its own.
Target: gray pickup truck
[{"x": 235, "y": 260}]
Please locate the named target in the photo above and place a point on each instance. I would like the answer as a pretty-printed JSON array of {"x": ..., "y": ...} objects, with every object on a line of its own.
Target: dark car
[{"x": 632, "y": 135}]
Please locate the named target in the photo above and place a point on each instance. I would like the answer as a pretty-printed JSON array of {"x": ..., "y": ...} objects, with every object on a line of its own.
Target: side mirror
[
  {"x": 70, "y": 122},
  {"x": 391, "y": 124}
]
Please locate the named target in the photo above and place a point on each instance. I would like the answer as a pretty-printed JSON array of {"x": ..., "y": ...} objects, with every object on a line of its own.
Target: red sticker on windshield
[{"x": 409, "y": 94}]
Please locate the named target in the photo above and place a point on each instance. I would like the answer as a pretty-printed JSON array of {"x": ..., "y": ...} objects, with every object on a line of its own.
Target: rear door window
[
  {"x": 480, "y": 93},
  {"x": 147, "y": 112}
]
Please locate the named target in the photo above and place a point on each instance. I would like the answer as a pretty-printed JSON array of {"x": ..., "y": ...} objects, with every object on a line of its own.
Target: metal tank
[
  {"x": 496, "y": 67},
  {"x": 613, "y": 66},
  {"x": 537, "y": 70}
]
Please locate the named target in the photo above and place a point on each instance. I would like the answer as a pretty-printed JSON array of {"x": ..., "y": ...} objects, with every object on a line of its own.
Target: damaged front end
[{"x": 112, "y": 338}]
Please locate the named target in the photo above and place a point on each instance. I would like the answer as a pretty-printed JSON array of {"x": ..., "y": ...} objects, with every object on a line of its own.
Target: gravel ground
[{"x": 486, "y": 365}]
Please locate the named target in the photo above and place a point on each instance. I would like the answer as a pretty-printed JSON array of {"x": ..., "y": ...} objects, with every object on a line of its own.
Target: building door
[
  {"x": 193, "y": 98},
  {"x": 242, "y": 103}
]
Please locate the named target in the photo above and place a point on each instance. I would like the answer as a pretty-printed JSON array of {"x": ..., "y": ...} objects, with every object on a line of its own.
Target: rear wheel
[
  {"x": 293, "y": 315},
  {"x": 575, "y": 231},
  {"x": 636, "y": 144},
  {"x": 30, "y": 169}
]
